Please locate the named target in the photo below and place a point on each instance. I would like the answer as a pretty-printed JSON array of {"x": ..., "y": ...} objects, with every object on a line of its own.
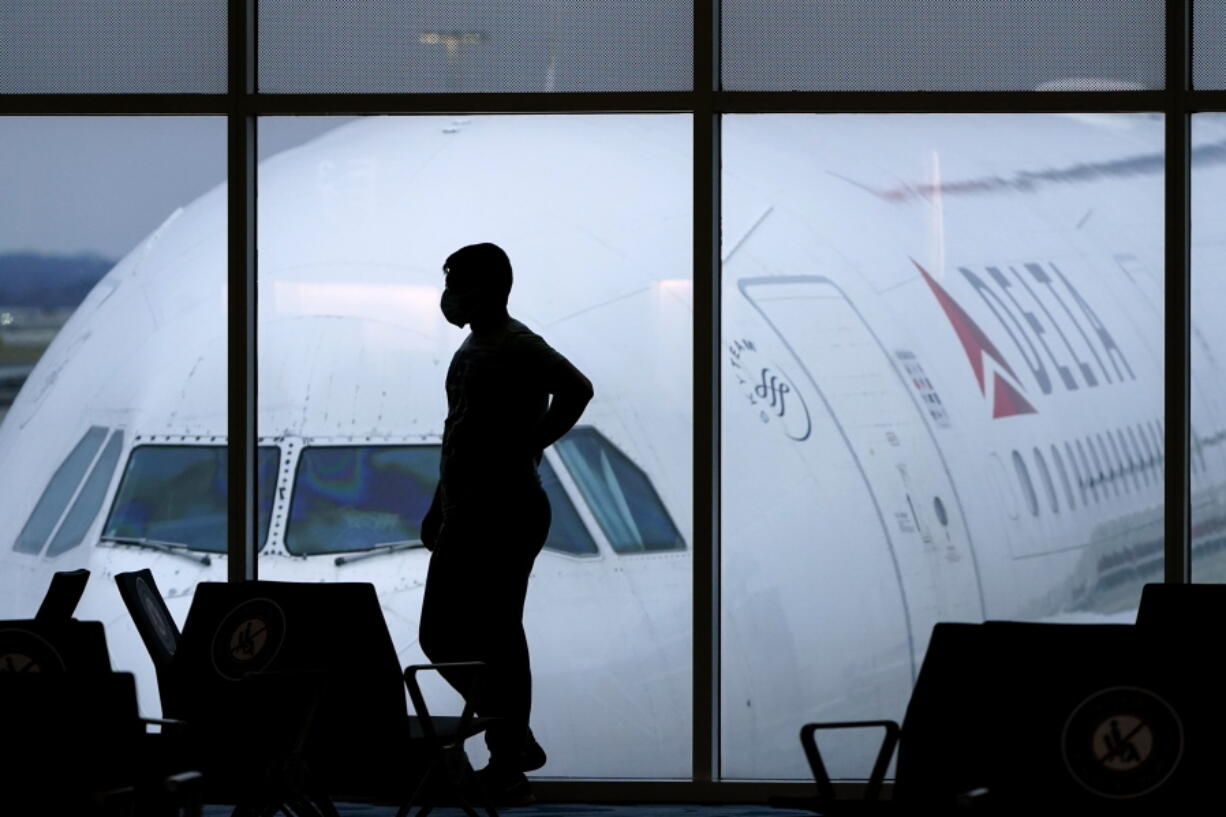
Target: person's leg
[
  {"x": 510, "y": 688},
  {"x": 450, "y": 628}
]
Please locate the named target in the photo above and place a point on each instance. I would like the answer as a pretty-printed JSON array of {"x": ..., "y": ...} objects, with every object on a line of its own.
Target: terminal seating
[
  {"x": 1010, "y": 717},
  {"x": 329, "y": 647},
  {"x": 74, "y": 740},
  {"x": 67, "y": 587}
]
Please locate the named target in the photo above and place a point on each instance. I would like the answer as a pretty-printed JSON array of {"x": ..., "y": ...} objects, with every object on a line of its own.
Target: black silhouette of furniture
[
  {"x": 447, "y": 776},
  {"x": 1181, "y": 608},
  {"x": 1010, "y": 717},
  {"x": 60, "y": 602},
  {"x": 157, "y": 629},
  {"x": 75, "y": 742},
  {"x": 362, "y": 742}
]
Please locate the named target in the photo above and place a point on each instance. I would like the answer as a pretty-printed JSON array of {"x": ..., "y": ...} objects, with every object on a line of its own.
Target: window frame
[{"x": 706, "y": 102}]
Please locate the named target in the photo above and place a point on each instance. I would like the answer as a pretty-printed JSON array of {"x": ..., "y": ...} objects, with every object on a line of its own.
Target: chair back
[
  {"x": 1176, "y": 608},
  {"x": 60, "y": 602},
  {"x": 54, "y": 647},
  {"x": 151, "y": 616},
  {"x": 334, "y": 629},
  {"x": 1086, "y": 717}
]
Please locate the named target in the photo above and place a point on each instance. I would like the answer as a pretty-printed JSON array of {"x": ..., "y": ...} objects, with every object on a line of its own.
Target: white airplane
[{"x": 942, "y": 399}]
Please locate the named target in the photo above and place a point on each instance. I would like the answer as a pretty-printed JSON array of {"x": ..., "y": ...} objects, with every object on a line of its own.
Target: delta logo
[{"x": 1056, "y": 333}]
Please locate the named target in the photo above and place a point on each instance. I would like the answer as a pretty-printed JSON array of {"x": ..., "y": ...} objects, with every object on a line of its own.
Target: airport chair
[
  {"x": 363, "y": 743},
  {"x": 67, "y": 587},
  {"x": 53, "y": 646},
  {"x": 244, "y": 723},
  {"x": 156, "y": 627},
  {"x": 1010, "y": 717},
  {"x": 448, "y": 777},
  {"x": 1180, "y": 608}
]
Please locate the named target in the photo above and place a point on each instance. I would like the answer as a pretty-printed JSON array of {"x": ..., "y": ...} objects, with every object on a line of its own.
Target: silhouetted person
[{"x": 490, "y": 516}]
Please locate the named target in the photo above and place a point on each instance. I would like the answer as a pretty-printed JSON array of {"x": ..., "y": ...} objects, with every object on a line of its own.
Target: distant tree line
[{"x": 38, "y": 281}]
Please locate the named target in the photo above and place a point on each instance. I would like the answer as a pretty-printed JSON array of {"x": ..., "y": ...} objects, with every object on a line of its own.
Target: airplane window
[
  {"x": 1023, "y": 476},
  {"x": 58, "y": 492},
  {"x": 1150, "y": 460},
  {"x": 1158, "y": 434},
  {"x": 619, "y": 494},
  {"x": 1077, "y": 473},
  {"x": 1064, "y": 480},
  {"x": 85, "y": 509},
  {"x": 567, "y": 533},
  {"x": 1094, "y": 468},
  {"x": 1121, "y": 455},
  {"x": 1134, "y": 468},
  {"x": 1048, "y": 485},
  {"x": 352, "y": 498},
  {"x": 176, "y": 494},
  {"x": 1106, "y": 458}
]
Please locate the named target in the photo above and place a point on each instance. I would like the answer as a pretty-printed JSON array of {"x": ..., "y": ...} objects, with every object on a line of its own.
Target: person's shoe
[
  {"x": 505, "y": 787},
  {"x": 533, "y": 757}
]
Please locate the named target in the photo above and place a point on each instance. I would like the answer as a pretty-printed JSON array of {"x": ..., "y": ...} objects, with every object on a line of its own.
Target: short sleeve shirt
[{"x": 498, "y": 388}]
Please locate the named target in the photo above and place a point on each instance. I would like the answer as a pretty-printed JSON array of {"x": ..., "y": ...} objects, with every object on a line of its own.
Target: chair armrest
[
  {"x": 419, "y": 700},
  {"x": 825, "y": 789}
]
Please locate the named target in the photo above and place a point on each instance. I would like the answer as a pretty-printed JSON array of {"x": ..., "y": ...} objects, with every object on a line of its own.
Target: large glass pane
[
  {"x": 433, "y": 46},
  {"x": 113, "y": 46},
  {"x": 1208, "y": 452},
  {"x": 931, "y": 45},
  {"x": 594, "y": 212},
  {"x": 112, "y": 338},
  {"x": 175, "y": 497},
  {"x": 942, "y": 396}
]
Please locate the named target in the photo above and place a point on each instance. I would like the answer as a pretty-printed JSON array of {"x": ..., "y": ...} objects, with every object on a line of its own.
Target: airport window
[
  {"x": 1023, "y": 478},
  {"x": 768, "y": 520},
  {"x": 59, "y": 491},
  {"x": 567, "y": 533},
  {"x": 89, "y": 501},
  {"x": 620, "y": 495},
  {"x": 1064, "y": 479},
  {"x": 174, "y": 496},
  {"x": 352, "y": 498},
  {"x": 1049, "y": 487}
]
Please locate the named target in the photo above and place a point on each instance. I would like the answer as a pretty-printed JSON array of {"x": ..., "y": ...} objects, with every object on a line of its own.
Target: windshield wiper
[
  {"x": 379, "y": 550},
  {"x": 176, "y": 548}
]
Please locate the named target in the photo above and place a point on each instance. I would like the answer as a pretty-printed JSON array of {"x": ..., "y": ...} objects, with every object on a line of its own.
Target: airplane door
[{"x": 844, "y": 363}]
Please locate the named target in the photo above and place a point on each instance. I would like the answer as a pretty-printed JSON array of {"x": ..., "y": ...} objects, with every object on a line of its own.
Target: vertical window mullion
[
  {"x": 706, "y": 404},
  {"x": 243, "y": 519},
  {"x": 1178, "y": 356}
]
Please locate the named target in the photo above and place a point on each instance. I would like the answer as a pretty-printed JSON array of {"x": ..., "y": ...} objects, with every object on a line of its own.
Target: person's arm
[{"x": 571, "y": 392}]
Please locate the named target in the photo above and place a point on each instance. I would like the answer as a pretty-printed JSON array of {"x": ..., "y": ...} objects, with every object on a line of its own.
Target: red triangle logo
[{"x": 1008, "y": 401}]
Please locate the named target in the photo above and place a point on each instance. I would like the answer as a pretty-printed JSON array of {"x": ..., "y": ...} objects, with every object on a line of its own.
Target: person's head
[{"x": 477, "y": 282}]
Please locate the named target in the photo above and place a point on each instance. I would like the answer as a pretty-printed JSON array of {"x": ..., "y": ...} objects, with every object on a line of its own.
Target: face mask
[{"x": 453, "y": 310}]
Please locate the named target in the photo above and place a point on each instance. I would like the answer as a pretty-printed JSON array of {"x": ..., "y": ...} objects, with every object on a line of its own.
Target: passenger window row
[{"x": 1102, "y": 465}]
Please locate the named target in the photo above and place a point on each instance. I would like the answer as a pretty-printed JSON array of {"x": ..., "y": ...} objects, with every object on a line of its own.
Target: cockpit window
[
  {"x": 620, "y": 495},
  {"x": 349, "y": 498},
  {"x": 83, "y": 512},
  {"x": 567, "y": 533},
  {"x": 58, "y": 492},
  {"x": 176, "y": 495}
]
